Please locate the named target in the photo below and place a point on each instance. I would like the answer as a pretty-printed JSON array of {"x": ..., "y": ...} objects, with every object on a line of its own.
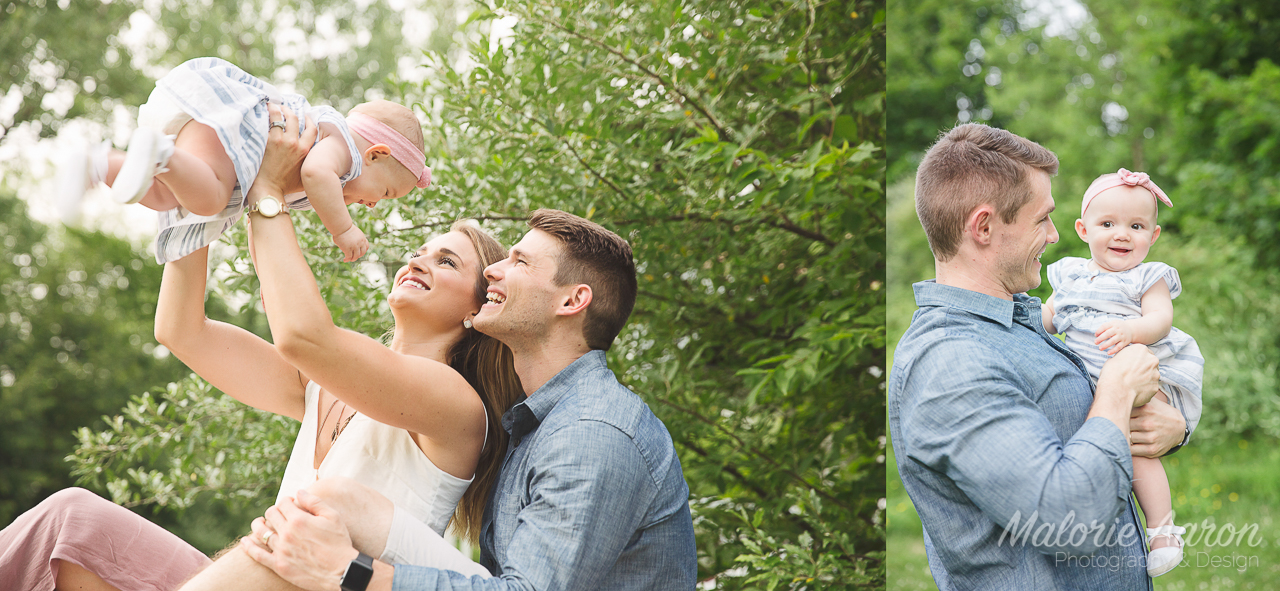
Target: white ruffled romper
[{"x": 1084, "y": 299}]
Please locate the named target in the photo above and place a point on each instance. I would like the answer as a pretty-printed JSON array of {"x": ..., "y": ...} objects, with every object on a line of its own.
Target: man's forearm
[
  {"x": 1115, "y": 407},
  {"x": 424, "y": 578}
]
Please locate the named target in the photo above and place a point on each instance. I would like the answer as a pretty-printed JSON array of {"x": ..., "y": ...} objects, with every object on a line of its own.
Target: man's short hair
[
  {"x": 969, "y": 166},
  {"x": 599, "y": 258}
]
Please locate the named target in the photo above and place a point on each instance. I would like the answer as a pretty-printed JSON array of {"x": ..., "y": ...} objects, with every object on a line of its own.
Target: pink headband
[
  {"x": 1123, "y": 178},
  {"x": 401, "y": 149}
]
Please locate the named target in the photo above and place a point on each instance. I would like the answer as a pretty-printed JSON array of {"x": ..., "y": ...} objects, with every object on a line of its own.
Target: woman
[{"x": 417, "y": 420}]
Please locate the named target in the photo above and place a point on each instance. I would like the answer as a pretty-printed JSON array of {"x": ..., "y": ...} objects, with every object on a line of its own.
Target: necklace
[{"x": 339, "y": 426}]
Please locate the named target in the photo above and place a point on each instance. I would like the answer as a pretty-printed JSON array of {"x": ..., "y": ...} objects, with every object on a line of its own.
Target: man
[
  {"x": 1020, "y": 470},
  {"x": 591, "y": 493}
]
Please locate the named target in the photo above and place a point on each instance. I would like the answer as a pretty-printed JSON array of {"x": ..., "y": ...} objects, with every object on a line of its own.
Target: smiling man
[
  {"x": 591, "y": 494},
  {"x": 1019, "y": 467}
]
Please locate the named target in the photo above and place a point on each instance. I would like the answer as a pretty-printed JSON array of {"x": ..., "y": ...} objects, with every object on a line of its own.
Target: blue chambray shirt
[
  {"x": 591, "y": 495},
  {"x": 987, "y": 415}
]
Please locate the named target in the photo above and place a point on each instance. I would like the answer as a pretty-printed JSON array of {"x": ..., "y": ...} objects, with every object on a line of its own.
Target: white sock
[{"x": 98, "y": 163}]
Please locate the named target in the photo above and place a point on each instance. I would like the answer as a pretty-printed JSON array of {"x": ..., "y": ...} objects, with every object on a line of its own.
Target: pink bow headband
[
  {"x": 1123, "y": 178},
  {"x": 401, "y": 148}
]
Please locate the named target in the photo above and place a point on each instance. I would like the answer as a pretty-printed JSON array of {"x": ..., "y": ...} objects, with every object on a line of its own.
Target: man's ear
[
  {"x": 979, "y": 223},
  {"x": 576, "y": 301},
  {"x": 376, "y": 152}
]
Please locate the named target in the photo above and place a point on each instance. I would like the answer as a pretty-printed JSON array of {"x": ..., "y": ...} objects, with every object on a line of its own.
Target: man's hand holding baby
[{"x": 1134, "y": 371}]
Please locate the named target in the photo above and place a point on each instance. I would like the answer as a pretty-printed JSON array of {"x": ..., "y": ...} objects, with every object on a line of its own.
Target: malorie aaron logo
[
  {"x": 1068, "y": 534},
  {"x": 1094, "y": 536}
]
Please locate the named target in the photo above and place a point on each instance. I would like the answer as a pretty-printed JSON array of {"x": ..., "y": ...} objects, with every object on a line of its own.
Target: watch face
[{"x": 269, "y": 207}]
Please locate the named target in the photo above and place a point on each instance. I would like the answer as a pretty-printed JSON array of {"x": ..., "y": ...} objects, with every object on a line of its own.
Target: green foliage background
[
  {"x": 1186, "y": 91},
  {"x": 739, "y": 146}
]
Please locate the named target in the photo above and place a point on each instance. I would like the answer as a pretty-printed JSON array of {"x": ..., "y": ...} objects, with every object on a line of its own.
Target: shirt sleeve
[
  {"x": 1056, "y": 272},
  {"x": 1155, "y": 271},
  {"x": 586, "y": 501},
  {"x": 968, "y": 418}
]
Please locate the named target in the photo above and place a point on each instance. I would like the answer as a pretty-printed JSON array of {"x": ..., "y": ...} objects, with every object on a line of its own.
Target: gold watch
[{"x": 267, "y": 207}]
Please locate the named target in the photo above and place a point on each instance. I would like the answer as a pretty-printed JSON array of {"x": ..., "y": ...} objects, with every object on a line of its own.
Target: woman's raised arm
[
  {"x": 232, "y": 359},
  {"x": 406, "y": 391}
]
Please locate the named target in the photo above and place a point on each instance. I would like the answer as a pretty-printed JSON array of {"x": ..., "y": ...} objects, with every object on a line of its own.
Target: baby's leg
[
  {"x": 201, "y": 176},
  {"x": 158, "y": 197},
  {"x": 1151, "y": 486}
]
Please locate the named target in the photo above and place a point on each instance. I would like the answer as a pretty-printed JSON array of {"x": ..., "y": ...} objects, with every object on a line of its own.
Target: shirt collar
[
  {"x": 538, "y": 405},
  {"x": 930, "y": 293}
]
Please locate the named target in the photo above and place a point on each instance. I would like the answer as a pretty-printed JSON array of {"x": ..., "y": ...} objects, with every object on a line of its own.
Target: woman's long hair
[{"x": 487, "y": 365}]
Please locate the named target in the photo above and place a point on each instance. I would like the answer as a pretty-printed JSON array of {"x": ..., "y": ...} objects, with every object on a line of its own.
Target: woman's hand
[{"x": 281, "y": 171}]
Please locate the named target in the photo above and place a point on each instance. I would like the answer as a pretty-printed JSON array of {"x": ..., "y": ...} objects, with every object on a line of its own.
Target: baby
[
  {"x": 1113, "y": 299},
  {"x": 202, "y": 134}
]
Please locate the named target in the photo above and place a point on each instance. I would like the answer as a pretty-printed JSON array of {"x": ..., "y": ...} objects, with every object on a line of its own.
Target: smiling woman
[{"x": 417, "y": 420}]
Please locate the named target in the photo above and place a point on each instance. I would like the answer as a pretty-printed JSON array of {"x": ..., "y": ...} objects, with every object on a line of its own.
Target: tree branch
[
  {"x": 758, "y": 453},
  {"x": 697, "y": 217},
  {"x": 479, "y": 218},
  {"x": 598, "y": 176},
  {"x": 656, "y": 76}
]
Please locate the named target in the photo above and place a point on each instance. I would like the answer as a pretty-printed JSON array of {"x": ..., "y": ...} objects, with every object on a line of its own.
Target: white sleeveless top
[{"x": 379, "y": 456}]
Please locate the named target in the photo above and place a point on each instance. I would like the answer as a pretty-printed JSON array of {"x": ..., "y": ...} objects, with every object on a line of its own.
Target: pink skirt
[{"x": 123, "y": 549}]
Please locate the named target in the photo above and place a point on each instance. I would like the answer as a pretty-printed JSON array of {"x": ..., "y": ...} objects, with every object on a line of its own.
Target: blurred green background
[{"x": 1187, "y": 91}]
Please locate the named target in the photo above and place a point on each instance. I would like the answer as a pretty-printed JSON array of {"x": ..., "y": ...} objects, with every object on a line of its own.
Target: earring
[{"x": 466, "y": 323}]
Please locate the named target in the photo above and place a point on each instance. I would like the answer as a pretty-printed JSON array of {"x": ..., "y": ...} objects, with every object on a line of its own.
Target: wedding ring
[
  {"x": 279, "y": 124},
  {"x": 266, "y": 538}
]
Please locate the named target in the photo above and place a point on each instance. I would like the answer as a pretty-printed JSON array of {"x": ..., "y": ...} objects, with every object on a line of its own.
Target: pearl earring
[{"x": 466, "y": 323}]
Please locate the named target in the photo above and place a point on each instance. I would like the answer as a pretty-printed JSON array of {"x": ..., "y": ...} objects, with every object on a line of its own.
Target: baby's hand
[
  {"x": 353, "y": 244},
  {"x": 1114, "y": 336}
]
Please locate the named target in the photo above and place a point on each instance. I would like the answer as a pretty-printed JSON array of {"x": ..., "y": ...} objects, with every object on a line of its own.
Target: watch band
[
  {"x": 268, "y": 207},
  {"x": 1186, "y": 435},
  {"x": 358, "y": 574}
]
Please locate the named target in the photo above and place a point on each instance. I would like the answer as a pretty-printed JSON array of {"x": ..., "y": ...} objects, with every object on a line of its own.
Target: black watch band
[
  {"x": 1186, "y": 434},
  {"x": 358, "y": 574}
]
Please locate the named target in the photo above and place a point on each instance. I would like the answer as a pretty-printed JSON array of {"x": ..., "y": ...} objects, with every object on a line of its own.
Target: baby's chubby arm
[
  {"x": 1155, "y": 323},
  {"x": 1046, "y": 315},
  {"x": 325, "y": 164}
]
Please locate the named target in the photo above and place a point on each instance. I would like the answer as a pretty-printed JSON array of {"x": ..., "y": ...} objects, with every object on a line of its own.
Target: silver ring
[
  {"x": 266, "y": 538},
  {"x": 279, "y": 124}
]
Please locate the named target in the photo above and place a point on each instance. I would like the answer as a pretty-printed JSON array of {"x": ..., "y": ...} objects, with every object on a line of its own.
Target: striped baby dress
[
  {"x": 1084, "y": 299},
  {"x": 232, "y": 102}
]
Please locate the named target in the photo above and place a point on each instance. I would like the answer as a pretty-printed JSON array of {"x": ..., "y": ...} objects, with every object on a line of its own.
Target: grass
[{"x": 1214, "y": 484}]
